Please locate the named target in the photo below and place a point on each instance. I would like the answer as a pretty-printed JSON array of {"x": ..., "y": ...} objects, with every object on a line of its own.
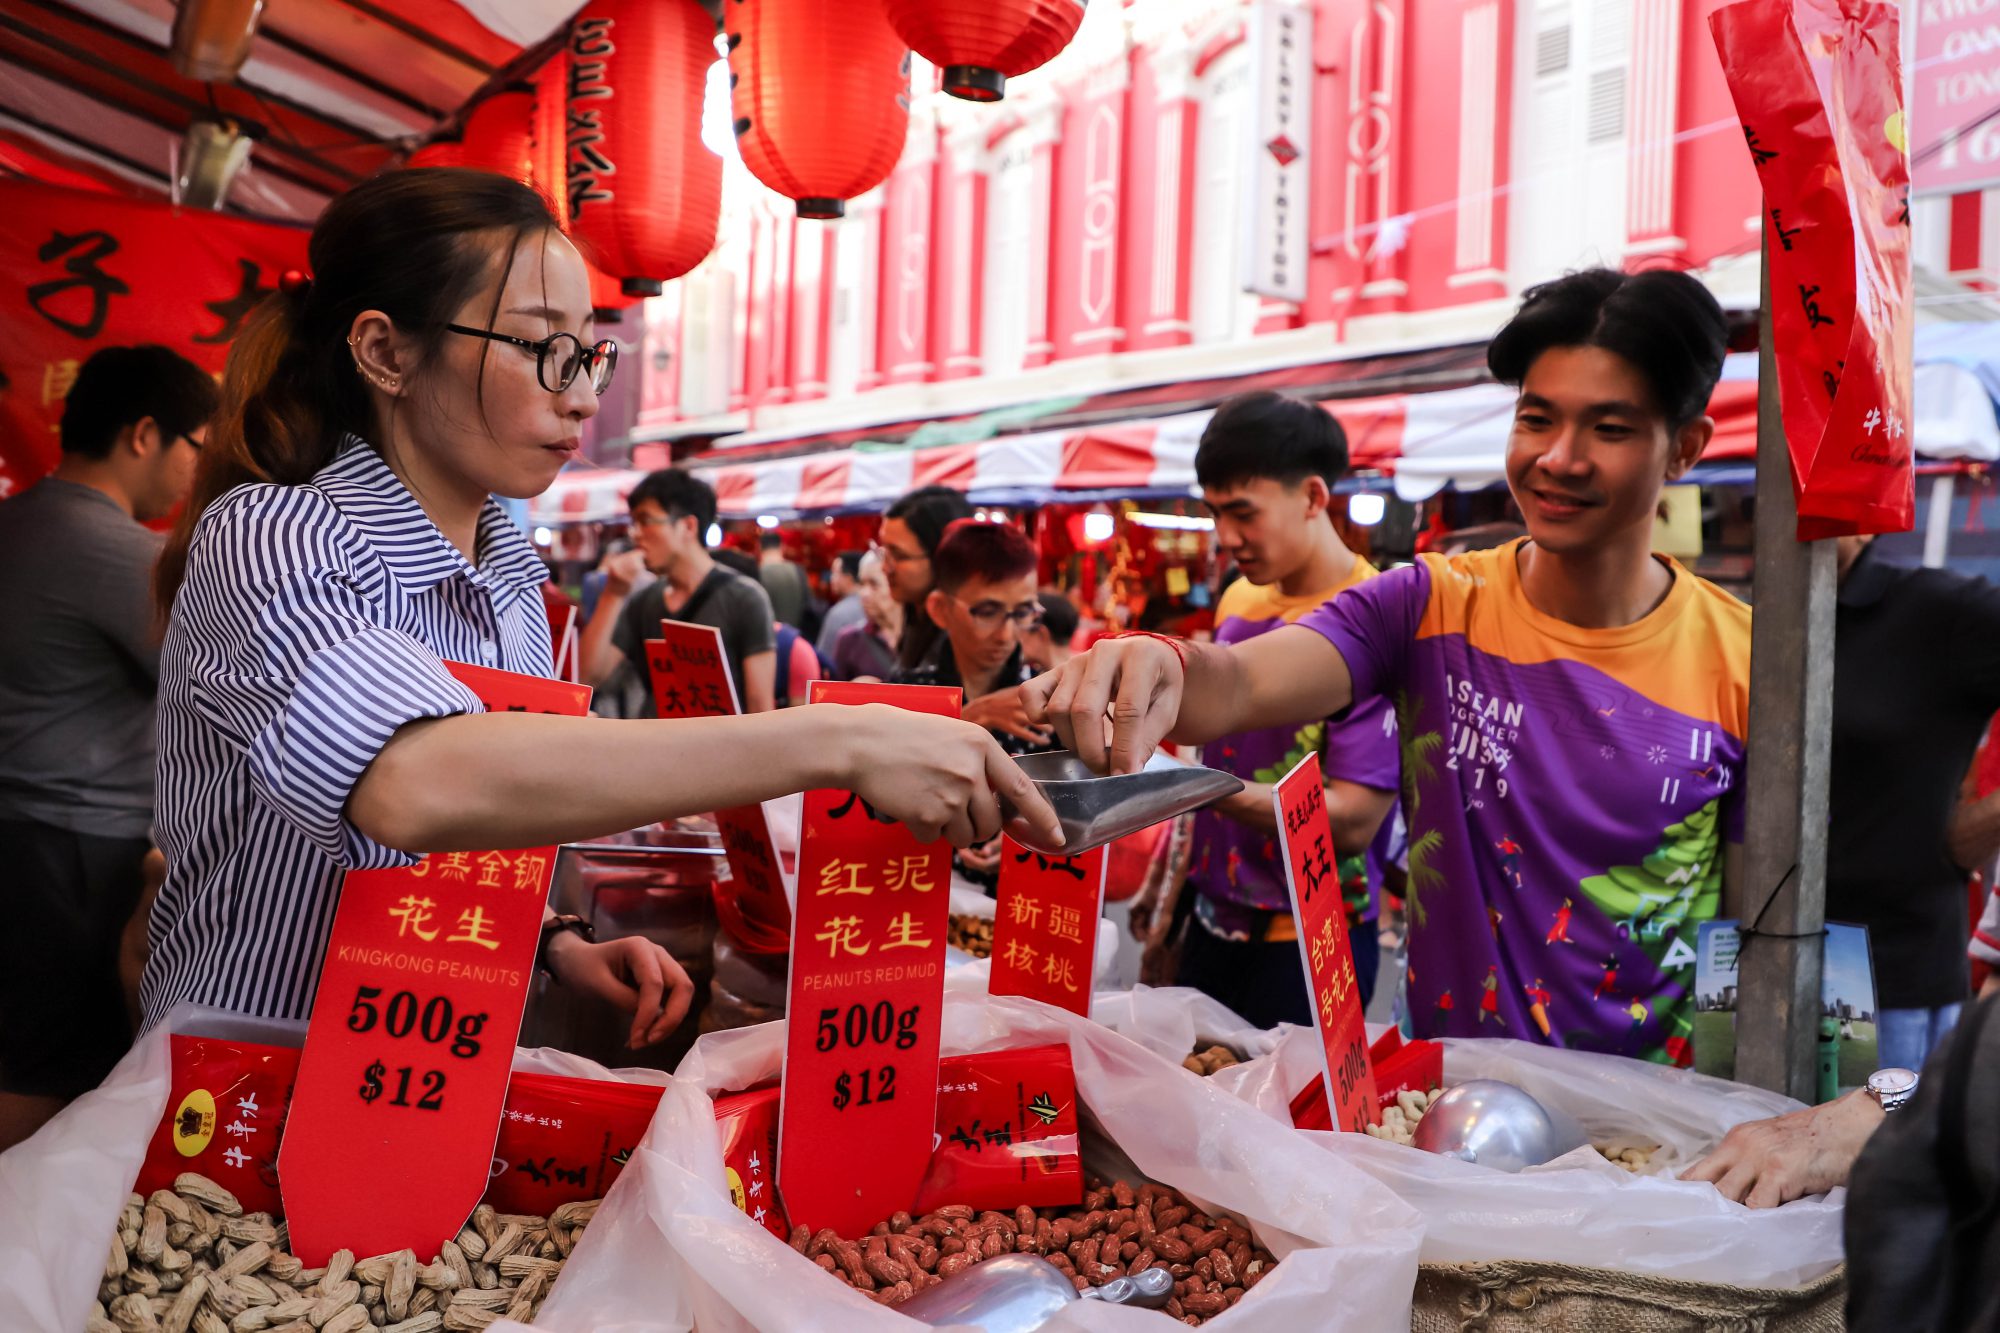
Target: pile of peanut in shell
[
  {"x": 1119, "y": 1230},
  {"x": 1211, "y": 1061},
  {"x": 190, "y": 1260},
  {"x": 971, "y": 934}
]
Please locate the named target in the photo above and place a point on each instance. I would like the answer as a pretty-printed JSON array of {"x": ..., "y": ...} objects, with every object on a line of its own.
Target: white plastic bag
[
  {"x": 669, "y": 1249},
  {"x": 1580, "y": 1209},
  {"x": 1175, "y": 1021},
  {"x": 62, "y": 1190}
]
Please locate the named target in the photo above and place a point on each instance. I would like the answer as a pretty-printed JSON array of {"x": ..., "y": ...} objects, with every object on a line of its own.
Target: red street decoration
[
  {"x": 645, "y": 194},
  {"x": 980, "y": 44},
  {"x": 1045, "y": 925},
  {"x": 865, "y": 999},
  {"x": 1306, "y": 845},
  {"x": 80, "y": 270},
  {"x": 821, "y": 97},
  {"x": 1836, "y": 200},
  {"x": 404, "y": 1073}
]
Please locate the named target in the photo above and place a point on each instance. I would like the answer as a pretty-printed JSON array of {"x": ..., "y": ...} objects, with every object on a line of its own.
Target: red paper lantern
[
  {"x": 821, "y": 97},
  {"x": 500, "y": 136},
  {"x": 549, "y": 144},
  {"x": 443, "y": 153},
  {"x": 645, "y": 194},
  {"x": 980, "y": 44}
]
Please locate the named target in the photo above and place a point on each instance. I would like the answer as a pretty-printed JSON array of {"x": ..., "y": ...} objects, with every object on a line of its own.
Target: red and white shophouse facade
[{"x": 1085, "y": 236}]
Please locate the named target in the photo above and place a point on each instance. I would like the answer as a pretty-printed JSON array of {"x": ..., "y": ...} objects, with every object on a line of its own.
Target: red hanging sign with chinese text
[
  {"x": 690, "y": 679},
  {"x": 865, "y": 998},
  {"x": 404, "y": 1073},
  {"x": 1305, "y": 844},
  {"x": 81, "y": 270},
  {"x": 1830, "y": 157},
  {"x": 1045, "y": 928}
]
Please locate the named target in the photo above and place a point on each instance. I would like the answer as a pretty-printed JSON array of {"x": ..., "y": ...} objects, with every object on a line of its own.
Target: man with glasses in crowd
[
  {"x": 984, "y": 599},
  {"x": 79, "y": 664},
  {"x": 672, "y": 512},
  {"x": 911, "y": 532}
]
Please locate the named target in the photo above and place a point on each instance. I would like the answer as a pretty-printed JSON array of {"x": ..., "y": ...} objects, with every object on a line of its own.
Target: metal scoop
[
  {"x": 1095, "y": 810},
  {"x": 1498, "y": 1125},
  {"x": 1018, "y": 1293}
]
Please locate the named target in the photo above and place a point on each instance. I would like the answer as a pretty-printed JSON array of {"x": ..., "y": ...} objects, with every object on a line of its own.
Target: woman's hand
[
  {"x": 634, "y": 974},
  {"x": 1112, "y": 705},
  {"x": 940, "y": 776}
]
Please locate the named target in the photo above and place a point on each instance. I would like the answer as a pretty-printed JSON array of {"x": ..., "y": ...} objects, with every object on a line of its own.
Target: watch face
[{"x": 1892, "y": 1082}]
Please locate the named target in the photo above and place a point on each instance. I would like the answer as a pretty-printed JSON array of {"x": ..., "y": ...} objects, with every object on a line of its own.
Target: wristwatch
[
  {"x": 1892, "y": 1088},
  {"x": 555, "y": 926}
]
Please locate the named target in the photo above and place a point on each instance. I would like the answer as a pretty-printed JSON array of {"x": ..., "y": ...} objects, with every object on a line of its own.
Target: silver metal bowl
[
  {"x": 1096, "y": 809},
  {"x": 1494, "y": 1124}
]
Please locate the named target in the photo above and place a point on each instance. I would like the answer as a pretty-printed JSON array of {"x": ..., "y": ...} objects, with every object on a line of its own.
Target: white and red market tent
[{"x": 1420, "y": 442}]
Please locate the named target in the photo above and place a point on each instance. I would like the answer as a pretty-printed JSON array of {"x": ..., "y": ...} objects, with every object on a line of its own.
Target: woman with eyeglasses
[{"x": 342, "y": 545}]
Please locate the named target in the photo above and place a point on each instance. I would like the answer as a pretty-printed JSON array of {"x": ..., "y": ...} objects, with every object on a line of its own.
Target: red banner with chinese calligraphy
[
  {"x": 1045, "y": 926},
  {"x": 1830, "y": 156},
  {"x": 691, "y": 679},
  {"x": 404, "y": 1072},
  {"x": 865, "y": 998},
  {"x": 81, "y": 270},
  {"x": 1305, "y": 844}
]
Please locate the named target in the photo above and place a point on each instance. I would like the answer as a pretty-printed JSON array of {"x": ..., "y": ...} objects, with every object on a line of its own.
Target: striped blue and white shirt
[{"x": 313, "y": 623}]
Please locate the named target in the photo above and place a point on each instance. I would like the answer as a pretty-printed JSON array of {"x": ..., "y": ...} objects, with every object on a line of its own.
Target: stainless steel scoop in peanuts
[
  {"x": 1095, "y": 810},
  {"x": 1018, "y": 1293}
]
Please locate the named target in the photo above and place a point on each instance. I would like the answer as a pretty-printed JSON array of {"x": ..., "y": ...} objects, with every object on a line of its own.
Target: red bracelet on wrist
[{"x": 1180, "y": 650}]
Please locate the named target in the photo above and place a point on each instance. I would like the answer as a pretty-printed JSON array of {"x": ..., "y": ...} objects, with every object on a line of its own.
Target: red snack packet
[
  {"x": 565, "y": 1139},
  {"x": 748, "y": 1123},
  {"x": 1006, "y": 1131},
  {"x": 225, "y": 1113}
]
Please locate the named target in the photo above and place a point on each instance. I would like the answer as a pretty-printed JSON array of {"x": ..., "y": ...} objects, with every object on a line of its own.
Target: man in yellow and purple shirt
[
  {"x": 1572, "y": 708},
  {"x": 1267, "y": 465}
]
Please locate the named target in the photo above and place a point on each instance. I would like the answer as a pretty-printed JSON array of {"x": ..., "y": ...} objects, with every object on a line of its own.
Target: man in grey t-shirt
[
  {"x": 671, "y": 514},
  {"x": 79, "y": 657}
]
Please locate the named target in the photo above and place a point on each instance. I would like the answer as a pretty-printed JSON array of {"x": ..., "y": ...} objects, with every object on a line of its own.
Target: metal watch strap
[{"x": 1897, "y": 1100}]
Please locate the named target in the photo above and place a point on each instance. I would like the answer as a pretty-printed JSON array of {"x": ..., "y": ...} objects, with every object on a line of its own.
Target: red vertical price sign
[
  {"x": 690, "y": 679},
  {"x": 404, "y": 1073},
  {"x": 1306, "y": 843},
  {"x": 1045, "y": 928},
  {"x": 864, "y": 1000}
]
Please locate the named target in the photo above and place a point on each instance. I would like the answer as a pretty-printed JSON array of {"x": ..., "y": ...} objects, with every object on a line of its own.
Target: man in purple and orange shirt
[
  {"x": 1267, "y": 466},
  {"x": 1572, "y": 709}
]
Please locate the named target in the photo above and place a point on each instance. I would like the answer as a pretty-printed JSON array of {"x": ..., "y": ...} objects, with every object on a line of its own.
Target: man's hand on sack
[{"x": 1765, "y": 1163}]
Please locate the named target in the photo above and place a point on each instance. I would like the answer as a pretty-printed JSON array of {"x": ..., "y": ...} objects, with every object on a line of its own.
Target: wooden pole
[{"x": 1791, "y": 734}]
